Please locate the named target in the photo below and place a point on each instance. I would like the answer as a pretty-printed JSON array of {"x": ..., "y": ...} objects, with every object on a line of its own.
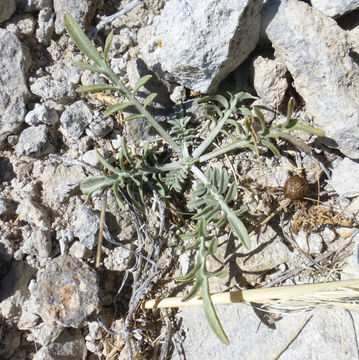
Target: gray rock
[
  {"x": 76, "y": 118},
  {"x": 13, "y": 89},
  {"x": 46, "y": 25},
  {"x": 91, "y": 157},
  {"x": 68, "y": 346},
  {"x": 335, "y": 8},
  {"x": 327, "y": 77},
  {"x": 34, "y": 214},
  {"x": 81, "y": 10},
  {"x": 270, "y": 80},
  {"x": 33, "y": 5},
  {"x": 119, "y": 258},
  {"x": 14, "y": 290},
  {"x": 100, "y": 127},
  {"x": 46, "y": 334},
  {"x": 344, "y": 177},
  {"x": 32, "y": 141},
  {"x": 22, "y": 25},
  {"x": 354, "y": 38},
  {"x": 60, "y": 86},
  {"x": 41, "y": 114},
  {"x": 6, "y": 207},
  {"x": 251, "y": 340},
  {"x": 198, "y": 43},
  {"x": 38, "y": 243},
  {"x": 65, "y": 238},
  {"x": 87, "y": 224},
  {"x": 65, "y": 293},
  {"x": 7, "y": 8}
]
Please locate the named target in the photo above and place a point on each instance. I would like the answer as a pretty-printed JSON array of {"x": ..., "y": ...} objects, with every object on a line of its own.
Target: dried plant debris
[{"x": 318, "y": 215}]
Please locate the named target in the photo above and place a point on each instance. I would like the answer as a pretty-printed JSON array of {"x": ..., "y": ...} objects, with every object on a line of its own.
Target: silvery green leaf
[
  {"x": 96, "y": 88},
  {"x": 231, "y": 193},
  {"x": 107, "y": 45},
  {"x": 140, "y": 82},
  {"x": 117, "y": 107},
  {"x": 92, "y": 184},
  {"x": 86, "y": 66},
  {"x": 239, "y": 229},
  {"x": 81, "y": 40},
  {"x": 149, "y": 99}
]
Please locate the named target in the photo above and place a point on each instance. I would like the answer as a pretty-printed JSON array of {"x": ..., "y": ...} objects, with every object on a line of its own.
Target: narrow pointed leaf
[
  {"x": 239, "y": 229},
  {"x": 301, "y": 145},
  {"x": 231, "y": 193},
  {"x": 271, "y": 147},
  {"x": 191, "y": 275},
  {"x": 211, "y": 314},
  {"x": 93, "y": 184},
  {"x": 133, "y": 117},
  {"x": 117, "y": 107},
  {"x": 290, "y": 108},
  {"x": 107, "y": 45},
  {"x": 140, "y": 82},
  {"x": 222, "y": 221},
  {"x": 118, "y": 196},
  {"x": 81, "y": 40},
  {"x": 86, "y": 66},
  {"x": 95, "y": 88},
  {"x": 195, "y": 288},
  {"x": 212, "y": 248},
  {"x": 149, "y": 99}
]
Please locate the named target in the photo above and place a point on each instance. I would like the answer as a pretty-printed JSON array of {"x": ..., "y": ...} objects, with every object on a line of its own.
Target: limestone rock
[
  {"x": 13, "y": 89},
  {"x": 87, "y": 224},
  {"x": 335, "y": 8},
  {"x": 32, "y": 141},
  {"x": 68, "y": 346},
  {"x": 81, "y": 10},
  {"x": 317, "y": 54},
  {"x": 76, "y": 118},
  {"x": 198, "y": 43},
  {"x": 41, "y": 114},
  {"x": 65, "y": 293},
  {"x": 34, "y": 214},
  {"x": 46, "y": 25},
  {"x": 7, "y": 8},
  {"x": 318, "y": 339},
  {"x": 344, "y": 178},
  {"x": 60, "y": 85},
  {"x": 270, "y": 80}
]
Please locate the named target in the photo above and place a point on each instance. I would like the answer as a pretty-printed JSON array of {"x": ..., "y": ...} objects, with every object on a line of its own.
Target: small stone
[
  {"x": 7, "y": 8},
  {"x": 14, "y": 94},
  {"x": 91, "y": 157},
  {"x": 32, "y": 141},
  {"x": 328, "y": 234},
  {"x": 41, "y": 114},
  {"x": 79, "y": 251},
  {"x": 178, "y": 94},
  {"x": 46, "y": 334},
  {"x": 65, "y": 293},
  {"x": 295, "y": 187},
  {"x": 100, "y": 127},
  {"x": 270, "y": 80},
  {"x": 46, "y": 26},
  {"x": 69, "y": 345},
  {"x": 87, "y": 224},
  {"x": 38, "y": 244},
  {"x": 344, "y": 177},
  {"x": 334, "y": 8},
  {"x": 81, "y": 10},
  {"x": 76, "y": 118},
  {"x": 22, "y": 25},
  {"x": 65, "y": 238},
  {"x": 119, "y": 258},
  {"x": 34, "y": 214}
]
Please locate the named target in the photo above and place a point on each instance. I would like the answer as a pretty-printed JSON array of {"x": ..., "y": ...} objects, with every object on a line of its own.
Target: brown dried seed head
[{"x": 295, "y": 187}]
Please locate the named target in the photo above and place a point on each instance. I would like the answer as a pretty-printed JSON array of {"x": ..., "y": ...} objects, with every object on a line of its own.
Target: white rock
[
  {"x": 76, "y": 118},
  {"x": 22, "y": 25},
  {"x": 32, "y": 141},
  {"x": 86, "y": 226},
  {"x": 198, "y": 43},
  {"x": 46, "y": 25},
  {"x": 33, "y": 5},
  {"x": 38, "y": 244},
  {"x": 354, "y": 38},
  {"x": 41, "y": 114},
  {"x": 335, "y": 8},
  {"x": 91, "y": 157},
  {"x": 317, "y": 53},
  {"x": 178, "y": 94},
  {"x": 318, "y": 339},
  {"x": 344, "y": 177},
  {"x": 34, "y": 214},
  {"x": 270, "y": 80},
  {"x": 14, "y": 62}
]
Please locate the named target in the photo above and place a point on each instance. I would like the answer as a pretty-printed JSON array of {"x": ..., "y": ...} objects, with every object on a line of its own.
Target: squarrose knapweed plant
[{"x": 213, "y": 193}]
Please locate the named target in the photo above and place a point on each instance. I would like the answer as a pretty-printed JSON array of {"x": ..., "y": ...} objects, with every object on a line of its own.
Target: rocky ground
[{"x": 55, "y": 303}]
